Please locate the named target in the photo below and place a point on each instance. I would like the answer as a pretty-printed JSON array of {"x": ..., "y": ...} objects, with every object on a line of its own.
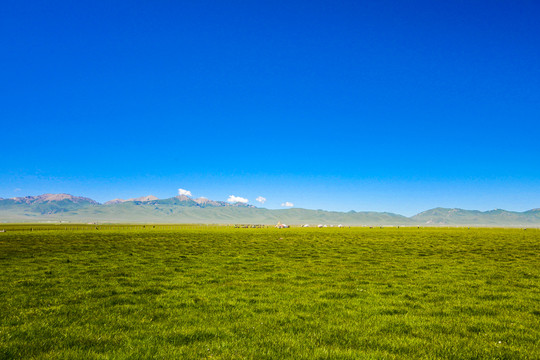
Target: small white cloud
[
  {"x": 287, "y": 204},
  {"x": 17, "y": 189},
  {"x": 184, "y": 192},
  {"x": 237, "y": 199},
  {"x": 261, "y": 199}
]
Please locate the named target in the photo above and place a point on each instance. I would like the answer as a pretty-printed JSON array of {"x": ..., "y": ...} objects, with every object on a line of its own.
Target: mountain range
[{"x": 184, "y": 209}]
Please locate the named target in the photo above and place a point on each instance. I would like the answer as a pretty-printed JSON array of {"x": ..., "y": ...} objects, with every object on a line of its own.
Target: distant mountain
[
  {"x": 182, "y": 200},
  {"x": 47, "y": 198},
  {"x": 184, "y": 209},
  {"x": 443, "y": 216},
  {"x": 46, "y": 204},
  {"x": 142, "y": 198}
]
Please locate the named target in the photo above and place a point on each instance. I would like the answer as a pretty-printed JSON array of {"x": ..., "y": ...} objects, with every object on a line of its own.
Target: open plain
[{"x": 301, "y": 293}]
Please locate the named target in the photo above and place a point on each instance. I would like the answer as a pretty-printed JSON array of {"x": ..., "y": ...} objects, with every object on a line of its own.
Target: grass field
[{"x": 224, "y": 293}]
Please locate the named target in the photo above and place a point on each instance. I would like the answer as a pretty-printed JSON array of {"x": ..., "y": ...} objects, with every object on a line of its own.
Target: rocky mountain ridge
[
  {"x": 66, "y": 207},
  {"x": 142, "y": 198},
  {"x": 51, "y": 197}
]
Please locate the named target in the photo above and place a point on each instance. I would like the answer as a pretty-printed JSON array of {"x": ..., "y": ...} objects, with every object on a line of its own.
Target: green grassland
[{"x": 226, "y": 293}]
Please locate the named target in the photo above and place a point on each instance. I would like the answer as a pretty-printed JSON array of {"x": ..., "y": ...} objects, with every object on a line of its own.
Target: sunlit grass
[{"x": 227, "y": 293}]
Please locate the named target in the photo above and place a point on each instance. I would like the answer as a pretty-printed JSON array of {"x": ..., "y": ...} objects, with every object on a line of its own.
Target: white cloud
[
  {"x": 17, "y": 189},
  {"x": 184, "y": 192},
  {"x": 287, "y": 204},
  {"x": 237, "y": 199},
  {"x": 261, "y": 199}
]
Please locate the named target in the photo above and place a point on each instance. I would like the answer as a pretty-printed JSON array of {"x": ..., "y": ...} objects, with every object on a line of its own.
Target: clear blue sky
[{"x": 364, "y": 105}]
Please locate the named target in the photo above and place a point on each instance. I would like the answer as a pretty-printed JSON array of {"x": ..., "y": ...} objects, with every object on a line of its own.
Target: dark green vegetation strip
[
  {"x": 270, "y": 294},
  {"x": 115, "y": 227}
]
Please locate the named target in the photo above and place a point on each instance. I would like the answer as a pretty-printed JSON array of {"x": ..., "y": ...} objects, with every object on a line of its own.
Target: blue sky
[{"x": 363, "y": 105}]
